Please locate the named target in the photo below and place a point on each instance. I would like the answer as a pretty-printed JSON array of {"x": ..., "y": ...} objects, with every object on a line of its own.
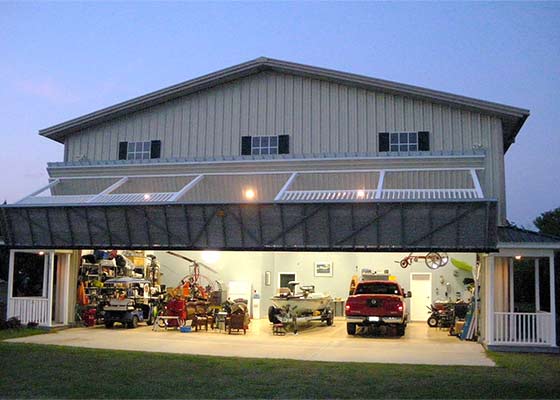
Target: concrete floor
[{"x": 316, "y": 342}]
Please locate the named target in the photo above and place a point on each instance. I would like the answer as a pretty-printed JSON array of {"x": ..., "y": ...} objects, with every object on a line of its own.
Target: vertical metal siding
[
  {"x": 428, "y": 180},
  {"x": 321, "y": 117},
  {"x": 336, "y": 181},
  {"x": 82, "y": 186},
  {"x": 224, "y": 188}
]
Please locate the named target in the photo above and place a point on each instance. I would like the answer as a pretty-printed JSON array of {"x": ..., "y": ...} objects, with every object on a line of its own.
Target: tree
[{"x": 549, "y": 222}]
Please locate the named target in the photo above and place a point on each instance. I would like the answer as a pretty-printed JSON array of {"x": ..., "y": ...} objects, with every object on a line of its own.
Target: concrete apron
[{"x": 316, "y": 342}]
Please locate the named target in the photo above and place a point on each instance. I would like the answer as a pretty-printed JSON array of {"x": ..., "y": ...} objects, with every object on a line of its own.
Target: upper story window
[
  {"x": 265, "y": 145},
  {"x": 139, "y": 150},
  {"x": 404, "y": 141}
]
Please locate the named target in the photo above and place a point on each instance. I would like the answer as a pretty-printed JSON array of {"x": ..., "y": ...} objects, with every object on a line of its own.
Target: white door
[{"x": 421, "y": 288}]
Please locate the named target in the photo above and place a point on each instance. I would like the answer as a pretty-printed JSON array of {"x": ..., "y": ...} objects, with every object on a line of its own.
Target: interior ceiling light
[{"x": 249, "y": 194}]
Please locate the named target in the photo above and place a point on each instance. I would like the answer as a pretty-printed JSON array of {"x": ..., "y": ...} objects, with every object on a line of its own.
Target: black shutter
[
  {"x": 155, "y": 149},
  {"x": 283, "y": 144},
  {"x": 383, "y": 141},
  {"x": 424, "y": 141},
  {"x": 123, "y": 148},
  {"x": 245, "y": 145}
]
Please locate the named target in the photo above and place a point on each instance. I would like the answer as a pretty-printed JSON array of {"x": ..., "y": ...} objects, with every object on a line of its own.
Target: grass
[
  {"x": 16, "y": 333},
  {"x": 36, "y": 371}
]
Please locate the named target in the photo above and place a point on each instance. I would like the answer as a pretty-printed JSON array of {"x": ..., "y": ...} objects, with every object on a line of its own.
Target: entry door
[{"x": 421, "y": 288}]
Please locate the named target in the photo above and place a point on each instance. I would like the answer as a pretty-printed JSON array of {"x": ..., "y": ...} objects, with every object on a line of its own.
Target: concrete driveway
[{"x": 420, "y": 345}]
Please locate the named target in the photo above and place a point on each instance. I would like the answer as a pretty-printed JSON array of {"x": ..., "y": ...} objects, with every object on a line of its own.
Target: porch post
[
  {"x": 65, "y": 289},
  {"x": 552, "y": 302},
  {"x": 50, "y": 283},
  {"x": 489, "y": 299},
  {"x": 10, "y": 303},
  {"x": 537, "y": 286}
]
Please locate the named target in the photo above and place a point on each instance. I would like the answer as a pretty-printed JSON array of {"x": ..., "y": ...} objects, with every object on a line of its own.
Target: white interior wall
[{"x": 251, "y": 266}]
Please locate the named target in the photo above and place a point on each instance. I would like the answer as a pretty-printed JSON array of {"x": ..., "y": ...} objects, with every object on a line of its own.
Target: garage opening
[{"x": 132, "y": 288}]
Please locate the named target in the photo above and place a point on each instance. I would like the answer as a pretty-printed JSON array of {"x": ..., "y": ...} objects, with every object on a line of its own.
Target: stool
[
  {"x": 278, "y": 329},
  {"x": 200, "y": 322}
]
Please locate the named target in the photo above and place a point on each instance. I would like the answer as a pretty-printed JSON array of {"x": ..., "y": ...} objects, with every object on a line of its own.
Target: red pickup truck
[{"x": 376, "y": 303}]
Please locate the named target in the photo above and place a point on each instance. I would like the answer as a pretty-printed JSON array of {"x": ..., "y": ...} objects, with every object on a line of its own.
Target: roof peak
[{"x": 59, "y": 131}]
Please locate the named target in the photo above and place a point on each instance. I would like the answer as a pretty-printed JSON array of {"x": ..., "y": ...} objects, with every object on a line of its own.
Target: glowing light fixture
[
  {"x": 518, "y": 257},
  {"x": 210, "y": 256},
  {"x": 360, "y": 194},
  {"x": 146, "y": 196},
  {"x": 41, "y": 253},
  {"x": 249, "y": 194}
]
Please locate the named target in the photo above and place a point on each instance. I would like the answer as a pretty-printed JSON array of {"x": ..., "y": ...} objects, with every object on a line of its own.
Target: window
[
  {"x": 265, "y": 145},
  {"x": 404, "y": 142},
  {"x": 377, "y": 288},
  {"x": 285, "y": 278},
  {"x": 29, "y": 275},
  {"x": 139, "y": 150}
]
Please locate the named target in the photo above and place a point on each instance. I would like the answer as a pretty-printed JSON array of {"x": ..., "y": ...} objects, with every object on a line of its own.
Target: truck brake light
[{"x": 400, "y": 307}]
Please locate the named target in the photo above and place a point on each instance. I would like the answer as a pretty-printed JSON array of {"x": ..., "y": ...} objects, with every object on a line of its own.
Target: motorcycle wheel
[{"x": 432, "y": 322}]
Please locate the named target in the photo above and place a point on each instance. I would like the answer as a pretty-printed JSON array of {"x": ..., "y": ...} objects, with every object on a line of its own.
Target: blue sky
[{"x": 61, "y": 60}]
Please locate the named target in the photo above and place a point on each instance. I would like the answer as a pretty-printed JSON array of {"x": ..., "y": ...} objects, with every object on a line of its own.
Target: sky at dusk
[{"x": 62, "y": 60}]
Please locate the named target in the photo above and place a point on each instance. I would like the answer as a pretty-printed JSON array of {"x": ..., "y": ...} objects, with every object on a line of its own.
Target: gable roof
[{"x": 512, "y": 117}]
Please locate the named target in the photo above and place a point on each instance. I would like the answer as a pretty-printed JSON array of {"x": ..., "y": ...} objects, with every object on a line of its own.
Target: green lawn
[{"x": 63, "y": 372}]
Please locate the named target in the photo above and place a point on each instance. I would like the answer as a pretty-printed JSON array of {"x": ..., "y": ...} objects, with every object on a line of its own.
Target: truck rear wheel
[
  {"x": 351, "y": 329},
  {"x": 401, "y": 329}
]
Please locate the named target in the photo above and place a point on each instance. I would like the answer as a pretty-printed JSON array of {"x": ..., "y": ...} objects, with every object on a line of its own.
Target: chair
[
  {"x": 200, "y": 321},
  {"x": 278, "y": 329},
  {"x": 237, "y": 322}
]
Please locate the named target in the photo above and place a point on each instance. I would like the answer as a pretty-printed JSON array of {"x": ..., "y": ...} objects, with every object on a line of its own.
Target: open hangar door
[
  {"x": 267, "y": 274},
  {"x": 258, "y": 276}
]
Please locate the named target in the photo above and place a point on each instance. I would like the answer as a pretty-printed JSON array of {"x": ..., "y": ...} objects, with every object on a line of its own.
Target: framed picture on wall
[{"x": 323, "y": 268}]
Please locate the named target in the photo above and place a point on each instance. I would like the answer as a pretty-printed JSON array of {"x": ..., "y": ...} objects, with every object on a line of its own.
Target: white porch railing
[
  {"x": 134, "y": 197},
  {"x": 29, "y": 309},
  {"x": 512, "y": 328},
  {"x": 429, "y": 194},
  {"x": 328, "y": 195},
  {"x": 60, "y": 199}
]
